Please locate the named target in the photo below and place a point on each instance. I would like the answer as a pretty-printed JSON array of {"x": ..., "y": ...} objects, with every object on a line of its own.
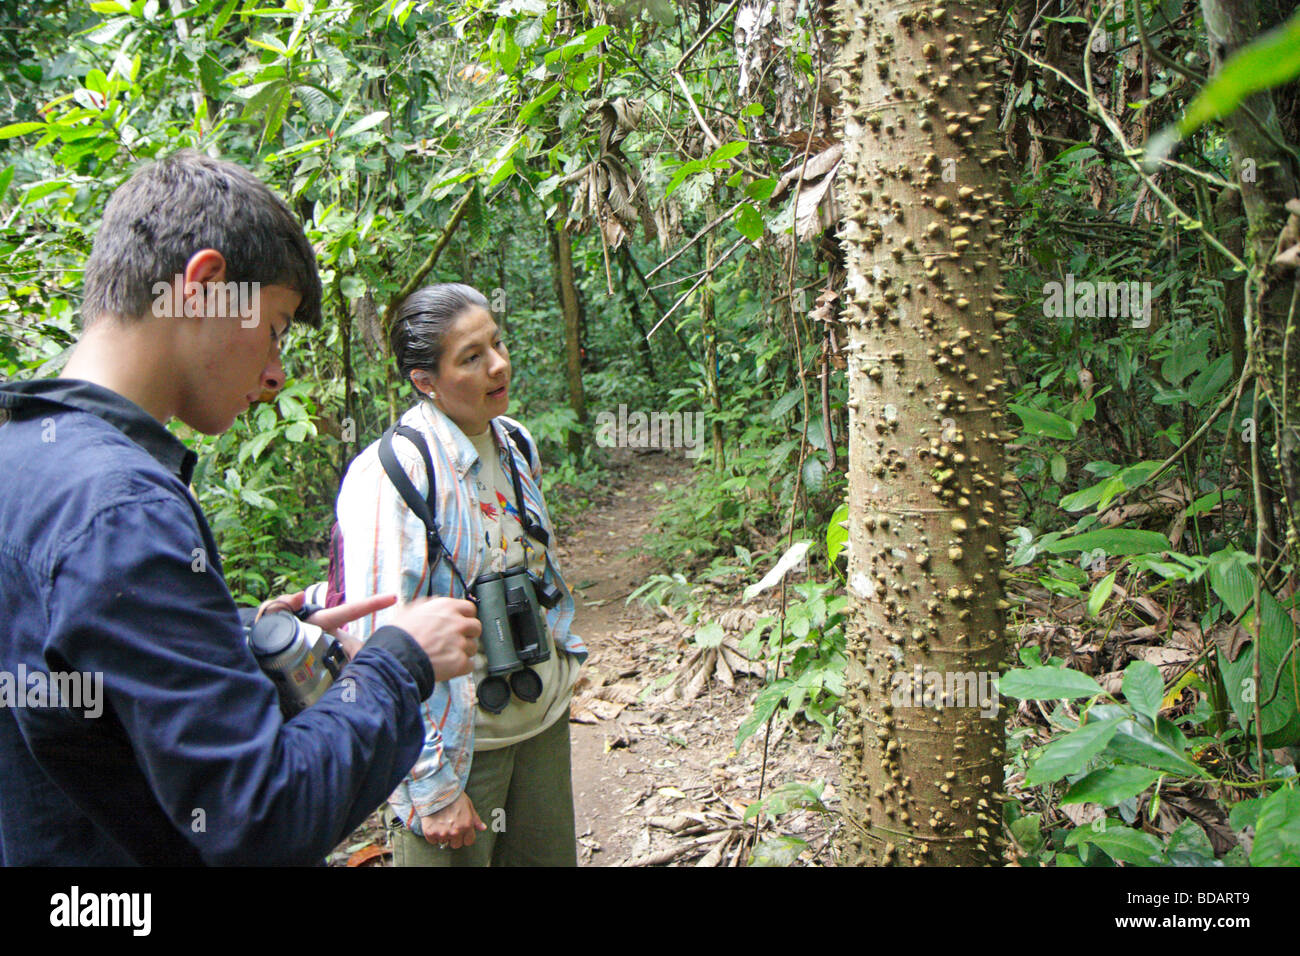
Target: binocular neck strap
[
  {"x": 531, "y": 528},
  {"x": 425, "y": 508}
]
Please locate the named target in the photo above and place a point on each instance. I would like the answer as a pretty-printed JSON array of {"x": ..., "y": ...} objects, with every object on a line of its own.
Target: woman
[{"x": 489, "y": 787}]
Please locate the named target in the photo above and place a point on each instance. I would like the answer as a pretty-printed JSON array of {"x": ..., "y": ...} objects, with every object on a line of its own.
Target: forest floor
[{"x": 657, "y": 779}]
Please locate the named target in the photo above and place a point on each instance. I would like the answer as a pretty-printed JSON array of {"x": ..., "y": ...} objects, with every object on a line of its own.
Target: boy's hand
[
  {"x": 334, "y": 619},
  {"x": 447, "y": 629}
]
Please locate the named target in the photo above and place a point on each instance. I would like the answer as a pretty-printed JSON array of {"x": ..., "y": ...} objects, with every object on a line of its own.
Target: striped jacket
[{"x": 385, "y": 552}]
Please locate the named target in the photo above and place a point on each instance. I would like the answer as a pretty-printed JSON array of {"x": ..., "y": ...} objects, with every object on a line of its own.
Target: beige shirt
[{"x": 509, "y": 547}]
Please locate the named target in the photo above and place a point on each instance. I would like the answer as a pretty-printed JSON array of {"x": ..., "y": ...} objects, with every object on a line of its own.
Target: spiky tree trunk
[{"x": 921, "y": 775}]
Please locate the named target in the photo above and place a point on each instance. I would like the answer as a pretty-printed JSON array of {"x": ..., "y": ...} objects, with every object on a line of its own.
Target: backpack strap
[
  {"x": 521, "y": 442},
  {"x": 424, "y": 508}
]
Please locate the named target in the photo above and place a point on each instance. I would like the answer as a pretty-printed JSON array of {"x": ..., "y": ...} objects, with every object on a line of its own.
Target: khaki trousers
[{"x": 524, "y": 793}]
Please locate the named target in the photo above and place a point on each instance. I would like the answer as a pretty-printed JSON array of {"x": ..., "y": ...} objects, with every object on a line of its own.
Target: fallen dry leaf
[{"x": 366, "y": 854}]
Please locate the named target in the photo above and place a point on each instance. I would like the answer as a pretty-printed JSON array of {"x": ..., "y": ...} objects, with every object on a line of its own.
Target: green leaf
[
  {"x": 278, "y": 107},
  {"x": 1121, "y": 843},
  {"x": 1210, "y": 501},
  {"x": 814, "y": 474},
  {"x": 749, "y": 222},
  {"x": 505, "y": 172},
  {"x": 41, "y": 190},
  {"x": 765, "y": 705},
  {"x": 1047, "y": 683},
  {"x": 778, "y": 851},
  {"x": 1027, "y": 831},
  {"x": 580, "y": 44},
  {"x": 1071, "y": 753},
  {"x": 721, "y": 156},
  {"x": 1100, "y": 592},
  {"x": 20, "y": 129},
  {"x": 352, "y": 287},
  {"x": 254, "y": 447},
  {"x": 1048, "y": 424},
  {"x": 710, "y": 635},
  {"x": 1189, "y": 846},
  {"x": 786, "y": 402},
  {"x": 366, "y": 122},
  {"x": 1059, "y": 468},
  {"x": 684, "y": 170},
  {"x": 97, "y": 82},
  {"x": 1136, "y": 744},
  {"x": 1144, "y": 688},
  {"x": 1087, "y": 497},
  {"x": 1207, "y": 384},
  {"x": 1110, "y": 786},
  {"x": 1233, "y": 582},
  {"x": 1246, "y": 813},
  {"x": 760, "y": 189},
  {"x": 1269, "y": 61},
  {"x": 1277, "y": 832},
  {"x": 534, "y": 106},
  {"x": 1113, "y": 541},
  {"x": 837, "y": 533}
]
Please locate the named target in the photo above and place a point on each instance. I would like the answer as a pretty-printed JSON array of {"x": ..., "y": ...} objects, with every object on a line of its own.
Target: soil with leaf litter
[{"x": 657, "y": 780}]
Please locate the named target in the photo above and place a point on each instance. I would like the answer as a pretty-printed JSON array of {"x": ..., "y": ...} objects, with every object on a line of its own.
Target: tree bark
[
  {"x": 922, "y": 772},
  {"x": 562, "y": 260},
  {"x": 634, "y": 314},
  {"x": 1268, "y": 178},
  {"x": 709, "y": 323}
]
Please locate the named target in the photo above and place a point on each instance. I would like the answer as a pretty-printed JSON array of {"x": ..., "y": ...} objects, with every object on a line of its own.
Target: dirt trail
[{"x": 656, "y": 780}]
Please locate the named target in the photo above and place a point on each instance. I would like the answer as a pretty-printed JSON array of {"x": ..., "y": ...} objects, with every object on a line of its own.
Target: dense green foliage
[{"x": 1139, "y": 506}]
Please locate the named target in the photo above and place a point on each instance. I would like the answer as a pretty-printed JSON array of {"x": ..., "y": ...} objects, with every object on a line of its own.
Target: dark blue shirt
[{"x": 108, "y": 569}]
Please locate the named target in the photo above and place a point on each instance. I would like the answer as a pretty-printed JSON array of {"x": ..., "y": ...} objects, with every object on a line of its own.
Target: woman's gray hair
[{"x": 420, "y": 326}]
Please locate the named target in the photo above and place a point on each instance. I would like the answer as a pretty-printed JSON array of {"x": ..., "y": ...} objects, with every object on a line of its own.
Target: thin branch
[
  {"x": 431, "y": 260},
  {"x": 694, "y": 239},
  {"x": 690, "y": 52},
  {"x": 699, "y": 117},
  {"x": 700, "y": 281}
]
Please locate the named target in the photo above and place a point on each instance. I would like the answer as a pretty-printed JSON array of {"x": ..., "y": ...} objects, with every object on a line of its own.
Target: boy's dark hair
[
  {"x": 420, "y": 326},
  {"x": 185, "y": 202}
]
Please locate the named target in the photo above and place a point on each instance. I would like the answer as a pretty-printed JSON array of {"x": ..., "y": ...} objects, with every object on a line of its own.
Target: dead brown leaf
[{"x": 368, "y": 853}]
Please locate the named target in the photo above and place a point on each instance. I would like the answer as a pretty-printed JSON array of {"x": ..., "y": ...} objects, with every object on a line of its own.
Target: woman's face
[{"x": 473, "y": 381}]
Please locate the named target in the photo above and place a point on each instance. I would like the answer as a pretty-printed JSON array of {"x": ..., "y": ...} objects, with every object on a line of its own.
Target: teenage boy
[{"x": 176, "y": 751}]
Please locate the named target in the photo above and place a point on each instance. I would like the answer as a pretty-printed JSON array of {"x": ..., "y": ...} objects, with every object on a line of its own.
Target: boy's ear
[{"x": 206, "y": 265}]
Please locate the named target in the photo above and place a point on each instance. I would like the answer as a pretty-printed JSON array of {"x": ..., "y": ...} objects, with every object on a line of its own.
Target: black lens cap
[
  {"x": 526, "y": 685},
  {"x": 493, "y": 694},
  {"x": 272, "y": 634}
]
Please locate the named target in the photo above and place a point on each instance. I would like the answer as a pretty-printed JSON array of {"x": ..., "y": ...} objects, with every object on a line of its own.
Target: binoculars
[
  {"x": 514, "y": 634},
  {"x": 302, "y": 660}
]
